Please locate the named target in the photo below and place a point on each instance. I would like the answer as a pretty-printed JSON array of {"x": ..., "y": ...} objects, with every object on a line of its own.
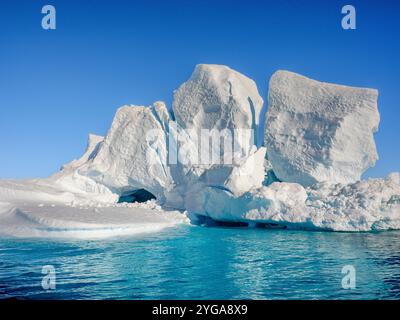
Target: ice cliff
[
  {"x": 217, "y": 97},
  {"x": 202, "y": 156},
  {"x": 130, "y": 156},
  {"x": 320, "y": 132}
]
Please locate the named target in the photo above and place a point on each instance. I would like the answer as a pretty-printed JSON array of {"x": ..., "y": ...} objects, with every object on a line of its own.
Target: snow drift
[{"x": 203, "y": 159}]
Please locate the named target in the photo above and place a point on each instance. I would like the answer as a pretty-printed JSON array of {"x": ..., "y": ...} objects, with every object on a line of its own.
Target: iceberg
[
  {"x": 201, "y": 162},
  {"x": 249, "y": 174}
]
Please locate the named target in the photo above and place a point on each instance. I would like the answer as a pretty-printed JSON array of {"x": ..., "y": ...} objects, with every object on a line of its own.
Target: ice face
[
  {"x": 58, "y": 220},
  {"x": 223, "y": 104},
  {"x": 217, "y": 97},
  {"x": 319, "y": 132},
  {"x": 133, "y": 154},
  {"x": 258, "y": 205}
]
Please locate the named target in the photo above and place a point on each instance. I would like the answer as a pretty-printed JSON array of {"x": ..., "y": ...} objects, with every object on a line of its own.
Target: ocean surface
[{"x": 192, "y": 262}]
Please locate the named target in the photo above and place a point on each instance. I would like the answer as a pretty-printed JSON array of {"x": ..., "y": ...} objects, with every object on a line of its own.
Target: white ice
[
  {"x": 32, "y": 209},
  {"x": 362, "y": 206},
  {"x": 62, "y": 221},
  {"x": 319, "y": 132},
  {"x": 133, "y": 154}
]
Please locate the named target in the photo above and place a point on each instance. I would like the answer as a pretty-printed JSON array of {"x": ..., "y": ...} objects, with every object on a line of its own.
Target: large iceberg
[
  {"x": 202, "y": 159},
  {"x": 319, "y": 132}
]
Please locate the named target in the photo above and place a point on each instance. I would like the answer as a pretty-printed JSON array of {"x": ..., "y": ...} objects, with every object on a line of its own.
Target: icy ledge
[
  {"x": 85, "y": 222},
  {"x": 38, "y": 209}
]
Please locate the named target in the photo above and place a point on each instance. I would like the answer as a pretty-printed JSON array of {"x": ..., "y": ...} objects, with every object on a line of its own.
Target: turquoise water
[{"x": 206, "y": 263}]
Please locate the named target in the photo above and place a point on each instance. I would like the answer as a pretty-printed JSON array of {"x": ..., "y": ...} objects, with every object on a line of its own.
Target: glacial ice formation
[
  {"x": 318, "y": 142},
  {"x": 319, "y": 132}
]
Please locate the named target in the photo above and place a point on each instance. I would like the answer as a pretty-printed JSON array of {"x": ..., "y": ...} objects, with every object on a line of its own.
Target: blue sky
[{"x": 58, "y": 86}]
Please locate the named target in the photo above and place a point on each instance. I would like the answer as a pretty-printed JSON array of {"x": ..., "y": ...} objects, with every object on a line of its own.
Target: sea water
[{"x": 192, "y": 262}]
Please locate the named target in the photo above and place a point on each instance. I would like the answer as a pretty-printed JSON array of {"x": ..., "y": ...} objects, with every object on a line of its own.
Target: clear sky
[{"x": 57, "y": 86}]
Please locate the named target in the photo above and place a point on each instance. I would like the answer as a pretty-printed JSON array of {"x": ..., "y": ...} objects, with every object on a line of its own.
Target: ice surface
[
  {"x": 36, "y": 208},
  {"x": 319, "y": 132},
  {"x": 17, "y": 191},
  {"x": 249, "y": 174}
]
